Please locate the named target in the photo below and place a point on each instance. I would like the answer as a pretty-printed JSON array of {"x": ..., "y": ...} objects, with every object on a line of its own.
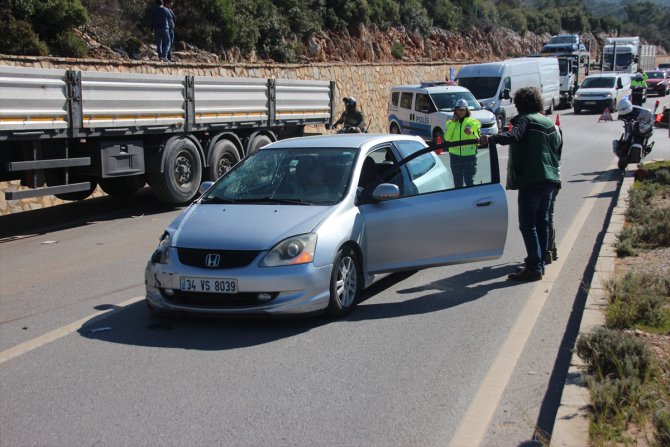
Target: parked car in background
[
  {"x": 600, "y": 91},
  {"x": 664, "y": 66},
  {"x": 658, "y": 82},
  {"x": 424, "y": 109},
  {"x": 277, "y": 235}
]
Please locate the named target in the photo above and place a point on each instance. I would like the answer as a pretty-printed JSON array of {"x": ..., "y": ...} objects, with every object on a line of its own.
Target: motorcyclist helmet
[
  {"x": 638, "y": 76},
  {"x": 349, "y": 103},
  {"x": 624, "y": 107},
  {"x": 461, "y": 104}
]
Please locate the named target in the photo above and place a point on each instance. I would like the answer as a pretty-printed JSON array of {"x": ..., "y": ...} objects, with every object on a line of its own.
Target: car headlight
[
  {"x": 578, "y": 95},
  {"x": 161, "y": 254},
  {"x": 490, "y": 105},
  {"x": 292, "y": 251},
  {"x": 608, "y": 95}
]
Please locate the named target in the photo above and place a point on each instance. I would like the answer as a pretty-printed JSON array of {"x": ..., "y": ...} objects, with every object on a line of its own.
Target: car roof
[
  {"x": 355, "y": 140},
  {"x": 431, "y": 89}
]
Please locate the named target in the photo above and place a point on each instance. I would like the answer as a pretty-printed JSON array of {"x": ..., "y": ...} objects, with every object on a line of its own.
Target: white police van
[{"x": 424, "y": 109}]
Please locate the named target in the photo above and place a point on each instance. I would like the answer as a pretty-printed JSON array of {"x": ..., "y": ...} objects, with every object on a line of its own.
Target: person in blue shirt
[
  {"x": 171, "y": 21},
  {"x": 160, "y": 25}
]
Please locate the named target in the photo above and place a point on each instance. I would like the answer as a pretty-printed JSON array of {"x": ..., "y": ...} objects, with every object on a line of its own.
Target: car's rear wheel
[
  {"x": 345, "y": 283},
  {"x": 394, "y": 128}
]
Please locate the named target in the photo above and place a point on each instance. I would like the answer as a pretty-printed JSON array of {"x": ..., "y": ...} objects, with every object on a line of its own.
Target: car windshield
[
  {"x": 300, "y": 176},
  {"x": 655, "y": 74},
  {"x": 481, "y": 88},
  {"x": 598, "y": 83},
  {"x": 446, "y": 101},
  {"x": 563, "y": 39}
]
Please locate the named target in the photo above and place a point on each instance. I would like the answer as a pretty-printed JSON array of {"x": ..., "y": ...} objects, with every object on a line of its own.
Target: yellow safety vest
[{"x": 456, "y": 132}]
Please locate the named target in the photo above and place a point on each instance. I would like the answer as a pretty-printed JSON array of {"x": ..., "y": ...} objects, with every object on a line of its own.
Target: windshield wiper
[
  {"x": 217, "y": 200},
  {"x": 273, "y": 200}
]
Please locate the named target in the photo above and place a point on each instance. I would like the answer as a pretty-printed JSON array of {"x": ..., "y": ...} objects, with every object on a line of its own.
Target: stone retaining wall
[{"x": 368, "y": 83}]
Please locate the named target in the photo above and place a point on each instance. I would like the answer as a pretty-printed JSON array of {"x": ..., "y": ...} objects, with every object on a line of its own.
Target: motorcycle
[
  {"x": 633, "y": 145},
  {"x": 638, "y": 96}
]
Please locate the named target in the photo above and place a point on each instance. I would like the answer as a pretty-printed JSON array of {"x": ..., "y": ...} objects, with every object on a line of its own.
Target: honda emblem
[{"x": 212, "y": 260}]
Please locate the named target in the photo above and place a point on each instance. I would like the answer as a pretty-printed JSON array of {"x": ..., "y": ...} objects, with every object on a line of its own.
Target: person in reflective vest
[
  {"x": 463, "y": 159},
  {"x": 638, "y": 81}
]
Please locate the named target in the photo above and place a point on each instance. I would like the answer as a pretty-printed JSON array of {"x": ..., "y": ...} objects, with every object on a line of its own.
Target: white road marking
[
  {"x": 472, "y": 428},
  {"x": 61, "y": 332}
]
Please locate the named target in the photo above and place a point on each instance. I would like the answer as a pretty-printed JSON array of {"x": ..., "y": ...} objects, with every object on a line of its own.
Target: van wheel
[
  {"x": 438, "y": 136},
  {"x": 393, "y": 128},
  {"x": 500, "y": 121},
  {"x": 550, "y": 110}
]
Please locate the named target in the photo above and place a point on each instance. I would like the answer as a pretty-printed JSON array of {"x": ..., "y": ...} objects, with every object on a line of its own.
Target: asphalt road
[{"x": 455, "y": 355}]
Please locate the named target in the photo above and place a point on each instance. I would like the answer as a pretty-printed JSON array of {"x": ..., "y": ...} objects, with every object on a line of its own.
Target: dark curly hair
[{"x": 528, "y": 100}]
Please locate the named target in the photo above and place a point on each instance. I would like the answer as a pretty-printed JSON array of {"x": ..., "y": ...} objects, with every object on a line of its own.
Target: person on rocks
[{"x": 160, "y": 25}]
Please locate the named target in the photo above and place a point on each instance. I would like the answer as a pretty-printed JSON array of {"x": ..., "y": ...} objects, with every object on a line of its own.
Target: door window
[
  {"x": 395, "y": 96},
  {"x": 424, "y": 104},
  {"x": 406, "y": 100}
]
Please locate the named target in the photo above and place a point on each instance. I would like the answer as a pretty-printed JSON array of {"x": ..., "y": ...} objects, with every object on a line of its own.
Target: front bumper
[
  {"x": 301, "y": 289},
  {"x": 594, "y": 104}
]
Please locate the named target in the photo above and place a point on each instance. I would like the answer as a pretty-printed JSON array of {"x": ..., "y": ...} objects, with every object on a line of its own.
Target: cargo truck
[
  {"x": 63, "y": 132},
  {"x": 627, "y": 55}
]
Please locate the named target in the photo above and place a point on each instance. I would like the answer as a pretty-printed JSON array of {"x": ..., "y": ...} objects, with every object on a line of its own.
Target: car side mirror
[
  {"x": 204, "y": 186},
  {"x": 385, "y": 191},
  {"x": 505, "y": 94}
]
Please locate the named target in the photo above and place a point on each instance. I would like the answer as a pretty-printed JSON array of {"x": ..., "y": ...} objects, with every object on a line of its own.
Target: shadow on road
[
  {"x": 134, "y": 324},
  {"x": 440, "y": 295},
  {"x": 79, "y": 214}
]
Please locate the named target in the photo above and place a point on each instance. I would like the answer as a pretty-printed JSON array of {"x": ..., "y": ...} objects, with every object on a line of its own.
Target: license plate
[
  {"x": 590, "y": 103},
  {"x": 208, "y": 285}
]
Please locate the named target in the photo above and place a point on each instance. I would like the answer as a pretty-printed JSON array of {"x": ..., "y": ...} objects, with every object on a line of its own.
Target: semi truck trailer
[
  {"x": 627, "y": 55},
  {"x": 64, "y": 132}
]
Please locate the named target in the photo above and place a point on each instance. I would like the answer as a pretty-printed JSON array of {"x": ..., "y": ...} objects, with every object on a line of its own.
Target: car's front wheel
[{"x": 345, "y": 283}]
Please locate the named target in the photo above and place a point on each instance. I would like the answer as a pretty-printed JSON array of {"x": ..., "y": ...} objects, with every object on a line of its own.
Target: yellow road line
[
  {"x": 472, "y": 428},
  {"x": 61, "y": 332}
]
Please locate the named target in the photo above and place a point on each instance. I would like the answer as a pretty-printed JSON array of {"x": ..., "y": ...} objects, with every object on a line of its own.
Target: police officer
[
  {"x": 463, "y": 159},
  {"x": 352, "y": 118},
  {"x": 638, "y": 81}
]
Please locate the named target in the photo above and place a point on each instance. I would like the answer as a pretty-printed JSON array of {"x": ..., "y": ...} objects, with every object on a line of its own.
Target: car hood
[{"x": 243, "y": 227}]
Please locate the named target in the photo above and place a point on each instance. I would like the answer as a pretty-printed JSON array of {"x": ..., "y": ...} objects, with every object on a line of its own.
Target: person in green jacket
[
  {"x": 463, "y": 159},
  {"x": 532, "y": 169}
]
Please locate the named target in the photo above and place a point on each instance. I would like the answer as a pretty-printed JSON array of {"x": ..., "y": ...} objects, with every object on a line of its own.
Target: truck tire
[
  {"x": 258, "y": 142},
  {"x": 223, "y": 157},
  {"x": 122, "y": 186},
  {"x": 182, "y": 172}
]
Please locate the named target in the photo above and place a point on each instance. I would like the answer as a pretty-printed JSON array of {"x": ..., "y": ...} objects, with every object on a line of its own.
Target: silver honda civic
[{"x": 305, "y": 225}]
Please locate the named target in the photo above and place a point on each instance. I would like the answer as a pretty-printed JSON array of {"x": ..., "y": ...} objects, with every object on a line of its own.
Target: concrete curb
[{"x": 571, "y": 428}]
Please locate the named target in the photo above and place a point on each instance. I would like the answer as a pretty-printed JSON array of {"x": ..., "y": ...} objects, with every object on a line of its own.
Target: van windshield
[
  {"x": 482, "y": 88},
  {"x": 598, "y": 83},
  {"x": 445, "y": 101}
]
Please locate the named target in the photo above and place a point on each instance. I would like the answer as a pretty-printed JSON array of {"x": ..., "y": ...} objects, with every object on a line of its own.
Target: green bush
[
  {"x": 17, "y": 37},
  {"x": 67, "y": 44},
  {"x": 608, "y": 353},
  {"x": 617, "y": 400},
  {"x": 397, "y": 50},
  {"x": 662, "y": 426},
  {"x": 637, "y": 299}
]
